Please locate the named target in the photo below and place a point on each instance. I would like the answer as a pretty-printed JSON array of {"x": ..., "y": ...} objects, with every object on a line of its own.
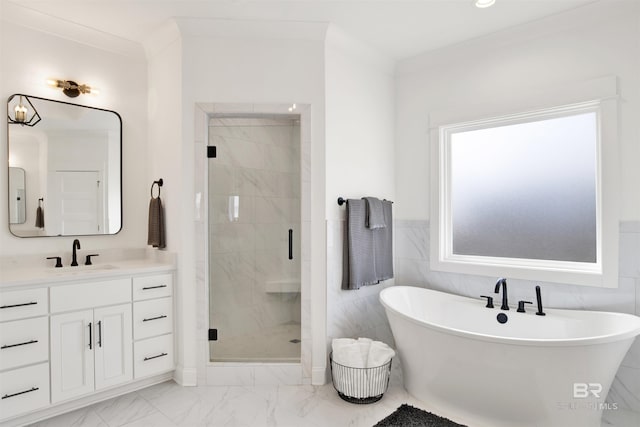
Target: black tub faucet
[
  {"x": 505, "y": 302},
  {"x": 539, "y": 301},
  {"x": 74, "y": 258}
]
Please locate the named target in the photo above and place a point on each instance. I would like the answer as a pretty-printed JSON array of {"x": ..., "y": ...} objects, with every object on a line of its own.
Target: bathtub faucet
[{"x": 503, "y": 282}]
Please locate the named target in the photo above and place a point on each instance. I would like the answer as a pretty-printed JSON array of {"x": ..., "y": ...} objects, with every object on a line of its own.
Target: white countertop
[{"x": 22, "y": 275}]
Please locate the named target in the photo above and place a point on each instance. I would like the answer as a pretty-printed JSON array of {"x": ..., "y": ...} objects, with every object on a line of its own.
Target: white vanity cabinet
[
  {"x": 24, "y": 351},
  {"x": 90, "y": 348},
  {"x": 152, "y": 324},
  {"x": 69, "y": 343}
]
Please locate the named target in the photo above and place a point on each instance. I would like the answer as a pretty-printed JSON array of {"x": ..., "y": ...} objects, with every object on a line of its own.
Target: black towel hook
[
  {"x": 159, "y": 183},
  {"x": 40, "y": 200}
]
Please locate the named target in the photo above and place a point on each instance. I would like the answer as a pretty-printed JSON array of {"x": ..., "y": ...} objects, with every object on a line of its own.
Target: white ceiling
[{"x": 397, "y": 28}]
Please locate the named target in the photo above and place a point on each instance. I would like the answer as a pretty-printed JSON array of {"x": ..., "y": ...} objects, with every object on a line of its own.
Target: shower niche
[{"x": 254, "y": 238}]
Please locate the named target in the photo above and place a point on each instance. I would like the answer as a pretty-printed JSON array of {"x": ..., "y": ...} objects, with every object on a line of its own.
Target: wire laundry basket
[{"x": 360, "y": 385}]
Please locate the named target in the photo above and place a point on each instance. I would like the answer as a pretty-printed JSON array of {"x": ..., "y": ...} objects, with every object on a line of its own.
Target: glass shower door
[{"x": 254, "y": 239}]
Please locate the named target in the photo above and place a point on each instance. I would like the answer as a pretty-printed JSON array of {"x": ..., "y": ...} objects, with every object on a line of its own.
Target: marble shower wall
[{"x": 412, "y": 268}]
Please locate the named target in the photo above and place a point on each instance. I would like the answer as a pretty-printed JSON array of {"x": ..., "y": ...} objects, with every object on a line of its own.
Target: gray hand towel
[
  {"x": 383, "y": 245},
  {"x": 156, "y": 236},
  {"x": 375, "y": 215},
  {"x": 39, "y": 217},
  {"x": 358, "y": 262}
]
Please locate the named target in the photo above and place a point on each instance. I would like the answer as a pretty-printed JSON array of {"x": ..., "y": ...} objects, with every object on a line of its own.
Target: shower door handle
[{"x": 290, "y": 244}]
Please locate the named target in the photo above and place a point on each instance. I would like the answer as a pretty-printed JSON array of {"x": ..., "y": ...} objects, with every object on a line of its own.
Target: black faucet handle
[
  {"x": 88, "y": 259},
  {"x": 489, "y": 301},
  {"x": 58, "y": 260},
  {"x": 521, "y": 306}
]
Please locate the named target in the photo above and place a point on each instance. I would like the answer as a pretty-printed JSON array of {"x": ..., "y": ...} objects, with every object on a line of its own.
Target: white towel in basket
[{"x": 360, "y": 353}]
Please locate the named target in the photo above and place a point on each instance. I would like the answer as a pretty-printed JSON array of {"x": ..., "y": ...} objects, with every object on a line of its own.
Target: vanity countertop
[{"x": 24, "y": 276}]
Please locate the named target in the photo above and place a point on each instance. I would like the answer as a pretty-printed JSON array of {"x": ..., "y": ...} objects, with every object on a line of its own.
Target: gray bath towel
[
  {"x": 375, "y": 215},
  {"x": 368, "y": 253},
  {"x": 383, "y": 244},
  {"x": 156, "y": 236},
  {"x": 358, "y": 263}
]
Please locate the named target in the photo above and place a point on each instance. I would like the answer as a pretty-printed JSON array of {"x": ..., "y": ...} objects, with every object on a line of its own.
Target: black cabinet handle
[
  {"x": 155, "y": 357},
  {"x": 6, "y": 396},
  {"x": 90, "y": 337},
  {"x": 154, "y": 318},
  {"x": 99, "y": 333},
  {"x": 290, "y": 244},
  {"x": 154, "y": 287},
  {"x": 18, "y": 345},
  {"x": 18, "y": 305}
]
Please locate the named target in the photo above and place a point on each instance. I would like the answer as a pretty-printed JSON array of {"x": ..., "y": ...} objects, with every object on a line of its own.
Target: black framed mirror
[{"x": 72, "y": 160}]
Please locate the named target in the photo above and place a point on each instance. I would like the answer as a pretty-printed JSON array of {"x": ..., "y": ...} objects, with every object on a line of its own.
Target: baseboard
[
  {"x": 319, "y": 376},
  {"x": 186, "y": 377}
]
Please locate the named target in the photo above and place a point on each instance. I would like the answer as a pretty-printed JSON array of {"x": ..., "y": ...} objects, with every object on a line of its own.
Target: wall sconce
[
  {"x": 71, "y": 88},
  {"x": 21, "y": 111}
]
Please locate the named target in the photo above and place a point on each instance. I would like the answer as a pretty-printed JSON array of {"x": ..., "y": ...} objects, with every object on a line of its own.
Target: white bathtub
[{"x": 466, "y": 366}]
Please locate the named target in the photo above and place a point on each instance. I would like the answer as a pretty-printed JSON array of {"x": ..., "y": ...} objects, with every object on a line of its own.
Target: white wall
[
  {"x": 222, "y": 63},
  {"x": 29, "y": 58},
  {"x": 360, "y": 162},
  {"x": 509, "y": 67},
  {"x": 166, "y": 157},
  {"x": 360, "y": 108}
]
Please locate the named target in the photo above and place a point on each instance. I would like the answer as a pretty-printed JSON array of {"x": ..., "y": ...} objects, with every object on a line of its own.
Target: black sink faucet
[
  {"x": 505, "y": 302},
  {"x": 74, "y": 259}
]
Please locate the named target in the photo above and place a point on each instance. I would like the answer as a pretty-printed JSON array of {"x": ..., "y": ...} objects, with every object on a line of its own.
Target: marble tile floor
[{"x": 168, "y": 405}]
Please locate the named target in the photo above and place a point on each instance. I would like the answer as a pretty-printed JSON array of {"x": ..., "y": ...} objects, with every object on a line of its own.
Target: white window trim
[{"x": 603, "y": 273}]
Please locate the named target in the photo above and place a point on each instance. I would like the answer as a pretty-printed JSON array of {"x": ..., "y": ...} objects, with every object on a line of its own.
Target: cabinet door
[
  {"x": 113, "y": 345},
  {"x": 71, "y": 355}
]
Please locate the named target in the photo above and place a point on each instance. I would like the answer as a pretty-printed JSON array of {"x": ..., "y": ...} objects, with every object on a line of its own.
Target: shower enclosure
[{"x": 254, "y": 238}]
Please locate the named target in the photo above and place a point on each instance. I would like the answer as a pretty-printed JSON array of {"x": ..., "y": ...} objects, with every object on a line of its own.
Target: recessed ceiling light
[{"x": 484, "y": 3}]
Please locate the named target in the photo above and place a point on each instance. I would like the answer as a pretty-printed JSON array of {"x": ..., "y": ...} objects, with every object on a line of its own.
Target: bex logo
[{"x": 583, "y": 390}]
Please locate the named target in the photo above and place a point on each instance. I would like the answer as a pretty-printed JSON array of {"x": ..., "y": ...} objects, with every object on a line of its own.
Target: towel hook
[
  {"x": 40, "y": 200},
  {"x": 159, "y": 183}
]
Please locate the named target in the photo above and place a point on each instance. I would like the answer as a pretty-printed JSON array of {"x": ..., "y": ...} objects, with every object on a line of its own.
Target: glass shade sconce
[
  {"x": 20, "y": 111},
  {"x": 71, "y": 88}
]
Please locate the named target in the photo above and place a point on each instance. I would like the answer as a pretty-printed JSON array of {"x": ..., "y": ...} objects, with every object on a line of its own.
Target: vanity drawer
[
  {"x": 23, "y": 390},
  {"x": 24, "y": 342},
  {"x": 152, "y": 317},
  {"x": 156, "y": 286},
  {"x": 153, "y": 356},
  {"x": 89, "y": 295},
  {"x": 22, "y": 304}
]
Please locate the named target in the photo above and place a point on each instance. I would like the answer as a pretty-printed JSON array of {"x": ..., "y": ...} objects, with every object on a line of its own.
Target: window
[{"x": 522, "y": 196}]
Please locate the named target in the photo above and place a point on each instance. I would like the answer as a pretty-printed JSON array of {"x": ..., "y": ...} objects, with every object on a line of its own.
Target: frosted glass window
[{"x": 526, "y": 190}]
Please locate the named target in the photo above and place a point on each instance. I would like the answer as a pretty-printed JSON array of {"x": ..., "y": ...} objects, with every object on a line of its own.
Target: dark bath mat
[{"x": 408, "y": 416}]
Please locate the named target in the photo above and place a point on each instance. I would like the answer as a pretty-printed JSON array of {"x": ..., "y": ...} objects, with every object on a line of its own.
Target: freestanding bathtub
[{"x": 532, "y": 371}]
